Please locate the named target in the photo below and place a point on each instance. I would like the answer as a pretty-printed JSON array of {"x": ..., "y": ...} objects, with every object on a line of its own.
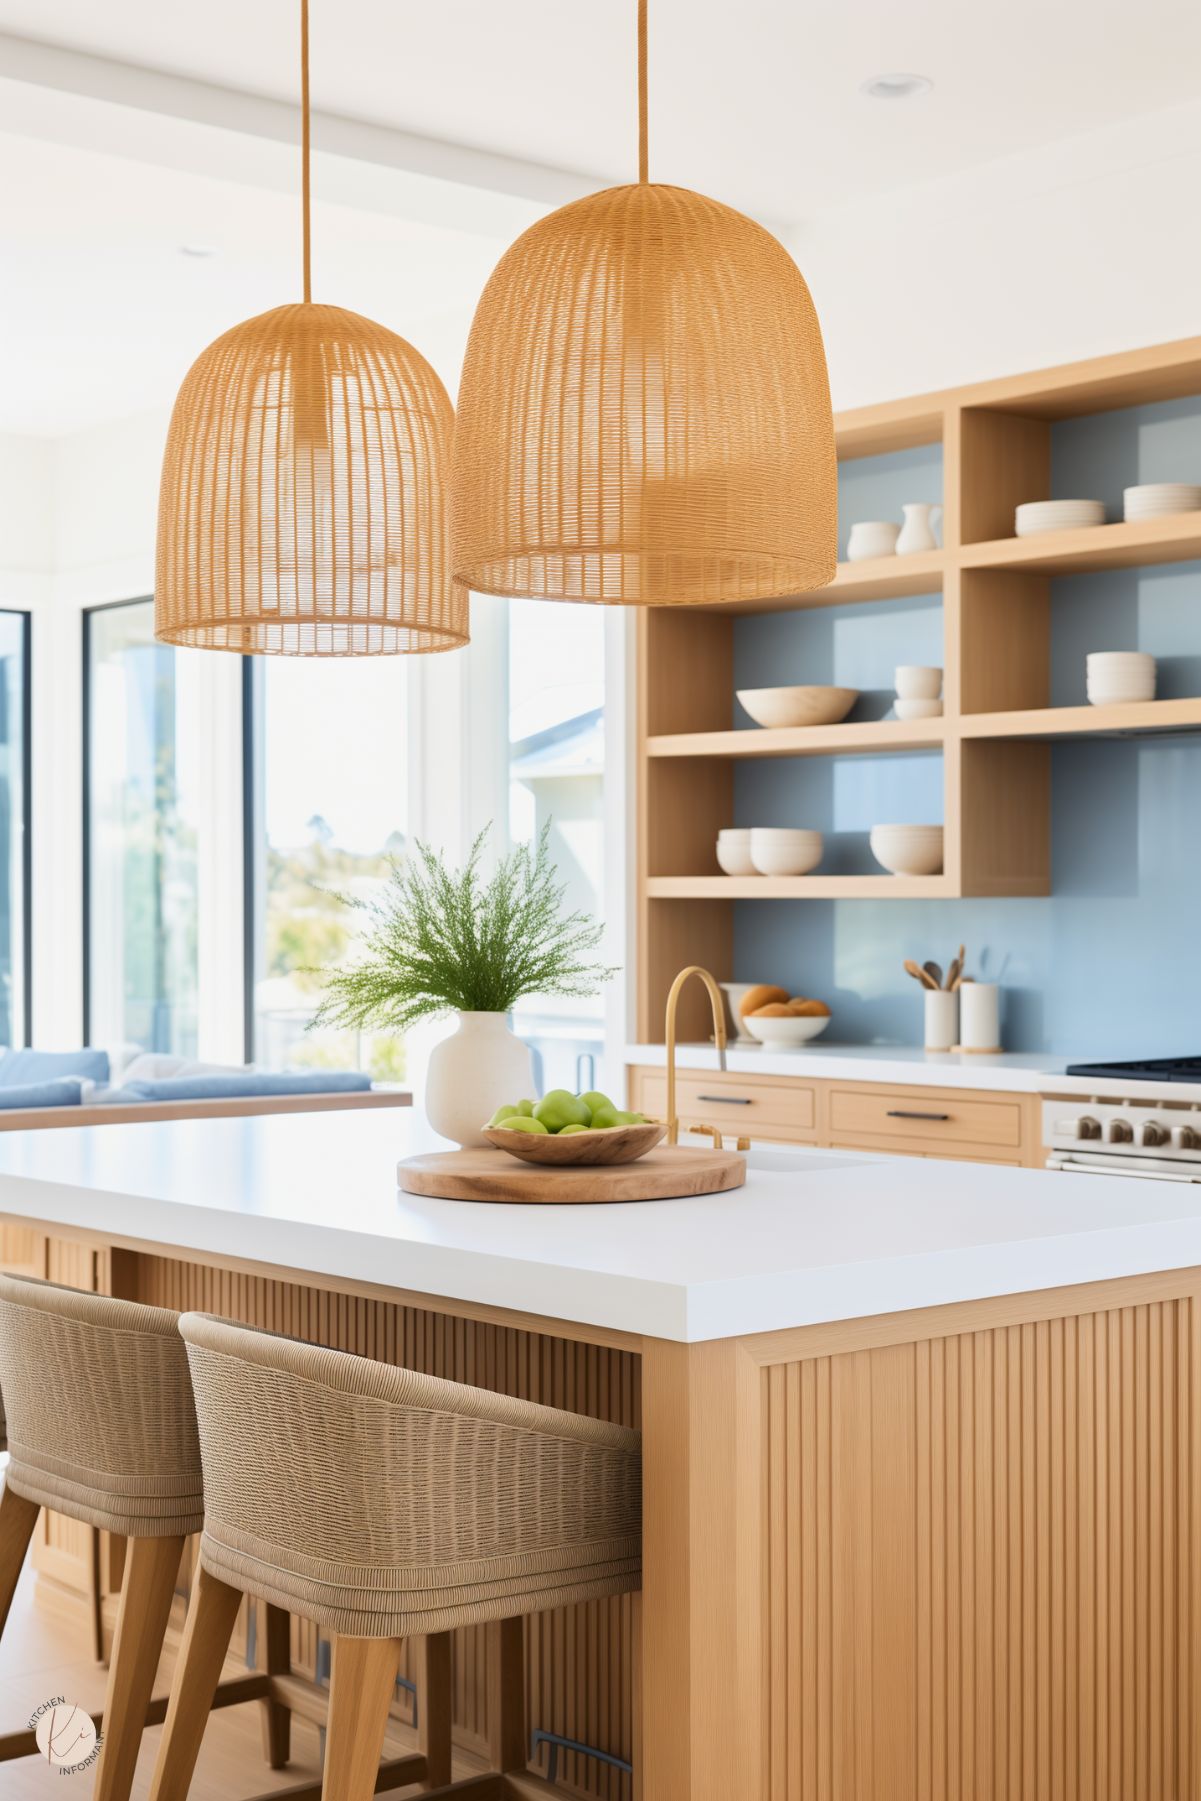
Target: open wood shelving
[{"x": 998, "y": 725}]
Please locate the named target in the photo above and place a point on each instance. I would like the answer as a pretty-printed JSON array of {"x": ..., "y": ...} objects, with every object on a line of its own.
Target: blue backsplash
[{"x": 1109, "y": 964}]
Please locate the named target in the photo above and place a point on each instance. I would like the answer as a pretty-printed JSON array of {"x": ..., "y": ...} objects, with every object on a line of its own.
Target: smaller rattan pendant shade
[
  {"x": 303, "y": 507},
  {"x": 644, "y": 415}
]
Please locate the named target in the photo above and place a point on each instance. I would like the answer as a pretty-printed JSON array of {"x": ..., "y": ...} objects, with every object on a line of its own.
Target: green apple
[
  {"x": 525, "y": 1107},
  {"x": 567, "y": 1131},
  {"x": 605, "y": 1115},
  {"x": 559, "y": 1108},
  {"x": 630, "y": 1119},
  {"x": 523, "y": 1122},
  {"x": 594, "y": 1099},
  {"x": 501, "y": 1115}
]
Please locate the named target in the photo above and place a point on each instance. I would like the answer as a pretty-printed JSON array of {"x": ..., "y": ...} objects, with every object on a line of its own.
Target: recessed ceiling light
[
  {"x": 198, "y": 250},
  {"x": 896, "y": 87}
]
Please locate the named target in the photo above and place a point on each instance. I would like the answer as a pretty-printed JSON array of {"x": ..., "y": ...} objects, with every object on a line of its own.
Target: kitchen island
[{"x": 922, "y": 1441}]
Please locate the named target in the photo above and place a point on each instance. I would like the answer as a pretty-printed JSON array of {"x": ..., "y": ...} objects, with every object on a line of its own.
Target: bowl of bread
[{"x": 773, "y": 1016}]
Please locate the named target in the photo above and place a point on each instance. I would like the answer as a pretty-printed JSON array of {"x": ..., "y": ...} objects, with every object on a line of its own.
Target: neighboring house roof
[{"x": 573, "y": 747}]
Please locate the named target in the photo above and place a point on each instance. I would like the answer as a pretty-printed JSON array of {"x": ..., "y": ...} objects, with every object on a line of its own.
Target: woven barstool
[
  {"x": 101, "y": 1427},
  {"x": 386, "y": 1505}
]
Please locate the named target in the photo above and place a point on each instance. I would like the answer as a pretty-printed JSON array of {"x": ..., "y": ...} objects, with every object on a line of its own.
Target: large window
[
  {"x": 141, "y": 806},
  {"x": 14, "y": 832},
  {"x": 327, "y": 810},
  {"x": 556, "y": 750}
]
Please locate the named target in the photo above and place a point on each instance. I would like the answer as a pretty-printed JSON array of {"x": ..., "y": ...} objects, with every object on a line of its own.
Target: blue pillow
[
  {"x": 248, "y": 1082},
  {"x": 47, "y": 1066},
  {"x": 64, "y": 1092}
]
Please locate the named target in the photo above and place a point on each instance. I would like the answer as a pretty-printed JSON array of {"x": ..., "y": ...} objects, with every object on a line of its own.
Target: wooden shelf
[
  {"x": 875, "y": 578},
  {"x": 867, "y": 737},
  {"x": 1174, "y": 539},
  {"x": 798, "y": 887},
  {"x": 1128, "y": 719}
]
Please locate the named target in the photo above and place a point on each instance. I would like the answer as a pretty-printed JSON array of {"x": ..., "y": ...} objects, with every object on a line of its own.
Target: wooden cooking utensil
[
  {"x": 934, "y": 971},
  {"x": 953, "y": 975},
  {"x": 918, "y": 973}
]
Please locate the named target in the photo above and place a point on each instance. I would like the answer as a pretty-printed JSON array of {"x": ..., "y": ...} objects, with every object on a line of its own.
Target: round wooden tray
[{"x": 666, "y": 1173}]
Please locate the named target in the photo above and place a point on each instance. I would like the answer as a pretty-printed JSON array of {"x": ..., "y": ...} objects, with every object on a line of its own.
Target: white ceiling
[{"x": 754, "y": 101}]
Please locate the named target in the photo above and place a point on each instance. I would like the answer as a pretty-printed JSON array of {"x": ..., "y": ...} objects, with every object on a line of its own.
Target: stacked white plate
[
  {"x": 1116, "y": 677},
  {"x": 1035, "y": 516},
  {"x": 1153, "y": 499}
]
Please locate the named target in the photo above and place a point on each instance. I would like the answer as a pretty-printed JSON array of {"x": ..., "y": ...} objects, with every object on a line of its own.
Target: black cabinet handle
[
  {"x": 906, "y": 1113},
  {"x": 726, "y": 1100}
]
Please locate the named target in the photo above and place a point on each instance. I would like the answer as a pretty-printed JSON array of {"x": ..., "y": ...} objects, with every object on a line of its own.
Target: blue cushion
[
  {"x": 47, "y": 1066},
  {"x": 64, "y": 1092},
  {"x": 250, "y": 1082}
]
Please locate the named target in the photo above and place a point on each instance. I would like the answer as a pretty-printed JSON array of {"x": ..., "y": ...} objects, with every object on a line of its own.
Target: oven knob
[
  {"x": 1120, "y": 1132},
  {"x": 1185, "y": 1138},
  {"x": 1151, "y": 1134},
  {"x": 1086, "y": 1127}
]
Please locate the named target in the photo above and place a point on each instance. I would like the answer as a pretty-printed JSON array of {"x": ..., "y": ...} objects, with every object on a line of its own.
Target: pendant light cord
[
  {"x": 643, "y": 160},
  {"x": 306, "y": 201}
]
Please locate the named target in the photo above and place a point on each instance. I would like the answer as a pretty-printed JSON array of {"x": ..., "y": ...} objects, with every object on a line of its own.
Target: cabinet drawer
[
  {"x": 734, "y": 1104},
  {"x": 926, "y": 1120}
]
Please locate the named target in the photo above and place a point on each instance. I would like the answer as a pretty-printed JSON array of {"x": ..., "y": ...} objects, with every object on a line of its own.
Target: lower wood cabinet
[{"x": 976, "y": 1126}]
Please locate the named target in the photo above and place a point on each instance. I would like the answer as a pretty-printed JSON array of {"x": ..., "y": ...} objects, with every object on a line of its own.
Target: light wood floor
[{"x": 43, "y": 1653}]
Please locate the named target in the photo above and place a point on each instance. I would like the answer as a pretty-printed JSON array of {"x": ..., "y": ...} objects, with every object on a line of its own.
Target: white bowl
[
  {"x": 734, "y": 856},
  {"x": 734, "y": 992},
  {"x": 787, "y": 1031},
  {"x": 798, "y": 706},
  {"x": 1116, "y": 676},
  {"x": 918, "y": 681},
  {"x": 735, "y": 834},
  {"x": 1152, "y": 500},
  {"x": 908, "y": 849},
  {"x": 1035, "y": 516},
  {"x": 784, "y": 851},
  {"x": 917, "y": 709},
  {"x": 872, "y": 538}
]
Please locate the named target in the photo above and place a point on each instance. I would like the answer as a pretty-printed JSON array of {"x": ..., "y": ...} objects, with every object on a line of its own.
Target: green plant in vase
[{"x": 440, "y": 940}]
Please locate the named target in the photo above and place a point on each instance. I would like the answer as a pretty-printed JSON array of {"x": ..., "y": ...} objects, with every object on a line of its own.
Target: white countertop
[
  {"x": 1015, "y": 1072},
  {"x": 813, "y": 1236}
]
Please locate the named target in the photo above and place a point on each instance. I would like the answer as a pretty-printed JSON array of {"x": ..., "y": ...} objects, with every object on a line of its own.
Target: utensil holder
[
  {"x": 942, "y": 1019},
  {"x": 979, "y": 1017}
]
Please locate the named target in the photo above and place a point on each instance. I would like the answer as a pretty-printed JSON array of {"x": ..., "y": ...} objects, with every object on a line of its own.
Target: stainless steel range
[{"x": 1127, "y": 1127}]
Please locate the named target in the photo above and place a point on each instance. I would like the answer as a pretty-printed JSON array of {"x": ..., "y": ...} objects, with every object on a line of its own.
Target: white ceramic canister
[
  {"x": 872, "y": 538},
  {"x": 980, "y": 1016},
  {"x": 917, "y": 533},
  {"x": 942, "y": 1019}
]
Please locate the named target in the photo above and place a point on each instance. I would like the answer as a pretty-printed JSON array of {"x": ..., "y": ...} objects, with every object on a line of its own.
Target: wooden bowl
[
  {"x": 798, "y": 706},
  {"x": 608, "y": 1144}
]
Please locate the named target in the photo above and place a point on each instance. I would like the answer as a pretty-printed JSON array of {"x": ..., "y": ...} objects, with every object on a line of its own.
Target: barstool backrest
[
  {"x": 101, "y": 1424},
  {"x": 381, "y": 1501}
]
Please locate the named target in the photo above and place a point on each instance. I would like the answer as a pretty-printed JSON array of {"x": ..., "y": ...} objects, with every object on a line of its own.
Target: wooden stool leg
[
  {"x": 506, "y": 1695},
  {"x": 18, "y": 1517},
  {"x": 206, "y": 1635},
  {"x": 277, "y": 1719},
  {"x": 151, "y": 1567},
  {"x": 361, "y": 1686},
  {"x": 434, "y": 1702}
]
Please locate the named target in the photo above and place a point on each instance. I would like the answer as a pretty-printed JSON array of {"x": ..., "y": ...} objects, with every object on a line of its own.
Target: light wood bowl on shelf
[
  {"x": 773, "y": 707},
  {"x": 607, "y": 1145}
]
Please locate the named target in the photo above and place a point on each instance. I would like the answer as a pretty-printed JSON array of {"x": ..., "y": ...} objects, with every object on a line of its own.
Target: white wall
[{"x": 1086, "y": 246}]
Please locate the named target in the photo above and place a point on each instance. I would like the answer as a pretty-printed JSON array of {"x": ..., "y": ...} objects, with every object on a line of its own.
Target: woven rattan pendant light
[
  {"x": 644, "y": 415},
  {"x": 304, "y": 507}
]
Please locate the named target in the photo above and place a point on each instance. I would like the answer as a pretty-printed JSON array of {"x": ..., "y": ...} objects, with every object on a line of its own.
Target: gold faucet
[{"x": 719, "y": 1034}]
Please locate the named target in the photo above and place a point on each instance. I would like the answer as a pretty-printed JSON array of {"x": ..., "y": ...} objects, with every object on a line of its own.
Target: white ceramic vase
[
  {"x": 917, "y": 533},
  {"x": 472, "y": 1073}
]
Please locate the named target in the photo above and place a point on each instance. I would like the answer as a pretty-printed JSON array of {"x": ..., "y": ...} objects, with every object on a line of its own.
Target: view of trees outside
[
  {"x": 142, "y": 783},
  {"x": 329, "y": 808},
  {"x": 13, "y": 801}
]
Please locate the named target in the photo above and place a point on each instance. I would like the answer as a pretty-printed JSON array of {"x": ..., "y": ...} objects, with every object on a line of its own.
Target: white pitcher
[{"x": 917, "y": 533}]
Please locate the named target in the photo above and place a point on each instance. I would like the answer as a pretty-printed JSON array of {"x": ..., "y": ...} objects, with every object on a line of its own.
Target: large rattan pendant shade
[
  {"x": 304, "y": 506},
  {"x": 644, "y": 414}
]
